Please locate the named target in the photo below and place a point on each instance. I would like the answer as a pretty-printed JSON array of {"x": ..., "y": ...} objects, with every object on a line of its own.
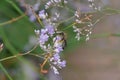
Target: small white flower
[
  {"x": 55, "y": 70},
  {"x": 43, "y": 14},
  {"x": 37, "y": 32}
]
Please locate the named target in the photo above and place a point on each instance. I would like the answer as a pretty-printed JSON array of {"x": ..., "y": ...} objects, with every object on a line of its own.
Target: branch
[
  {"x": 11, "y": 57},
  {"x": 13, "y": 20}
]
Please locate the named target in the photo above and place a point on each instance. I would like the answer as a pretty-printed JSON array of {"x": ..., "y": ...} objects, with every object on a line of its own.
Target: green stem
[
  {"x": 9, "y": 45},
  {"x": 17, "y": 55},
  {"x": 67, "y": 8},
  {"x": 37, "y": 17},
  {"x": 4, "y": 70},
  {"x": 104, "y": 35},
  {"x": 113, "y": 9},
  {"x": 65, "y": 20},
  {"x": 14, "y": 5},
  {"x": 39, "y": 56},
  {"x": 68, "y": 26},
  {"x": 17, "y": 8},
  {"x": 13, "y": 20},
  {"x": 6, "y": 41},
  {"x": 110, "y": 11}
]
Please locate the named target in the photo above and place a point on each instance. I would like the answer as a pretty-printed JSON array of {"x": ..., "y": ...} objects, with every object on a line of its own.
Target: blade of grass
[
  {"x": 14, "y": 5},
  {"x": 4, "y": 70},
  {"x": 9, "y": 45}
]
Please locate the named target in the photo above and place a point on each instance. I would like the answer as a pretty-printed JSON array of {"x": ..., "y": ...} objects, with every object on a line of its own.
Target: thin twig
[
  {"x": 60, "y": 22},
  {"x": 37, "y": 17},
  {"x": 14, "y": 5},
  {"x": 69, "y": 26},
  {"x": 12, "y": 20},
  {"x": 11, "y": 57},
  {"x": 39, "y": 56}
]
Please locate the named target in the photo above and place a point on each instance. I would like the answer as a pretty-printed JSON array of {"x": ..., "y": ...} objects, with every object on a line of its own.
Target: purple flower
[
  {"x": 43, "y": 31},
  {"x": 32, "y": 18},
  {"x": 42, "y": 14},
  {"x": 56, "y": 57},
  {"x": 63, "y": 63},
  {"x": 43, "y": 38},
  {"x": 58, "y": 49},
  {"x": 50, "y": 29},
  {"x": 55, "y": 70}
]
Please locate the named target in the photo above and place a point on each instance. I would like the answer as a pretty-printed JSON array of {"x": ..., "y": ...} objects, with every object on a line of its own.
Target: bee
[{"x": 62, "y": 40}]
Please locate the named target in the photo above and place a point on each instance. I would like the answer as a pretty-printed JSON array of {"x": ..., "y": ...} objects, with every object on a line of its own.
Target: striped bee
[{"x": 62, "y": 41}]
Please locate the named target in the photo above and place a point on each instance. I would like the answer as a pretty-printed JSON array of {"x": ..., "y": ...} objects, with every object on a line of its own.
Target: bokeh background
[
  {"x": 99, "y": 58},
  {"x": 96, "y": 59}
]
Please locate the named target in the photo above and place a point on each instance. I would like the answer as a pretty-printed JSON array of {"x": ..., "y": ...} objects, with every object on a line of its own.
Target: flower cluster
[
  {"x": 54, "y": 49},
  {"x": 49, "y": 32},
  {"x": 93, "y": 5},
  {"x": 43, "y": 14},
  {"x": 55, "y": 3},
  {"x": 84, "y": 30},
  {"x": 47, "y": 19},
  {"x": 35, "y": 7}
]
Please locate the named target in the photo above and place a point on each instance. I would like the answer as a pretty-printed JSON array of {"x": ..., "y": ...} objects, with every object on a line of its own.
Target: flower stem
[
  {"x": 14, "y": 5},
  {"x": 12, "y": 20},
  {"x": 37, "y": 17},
  {"x": 69, "y": 26},
  {"x": 11, "y": 57},
  {"x": 66, "y": 20},
  {"x": 104, "y": 35}
]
